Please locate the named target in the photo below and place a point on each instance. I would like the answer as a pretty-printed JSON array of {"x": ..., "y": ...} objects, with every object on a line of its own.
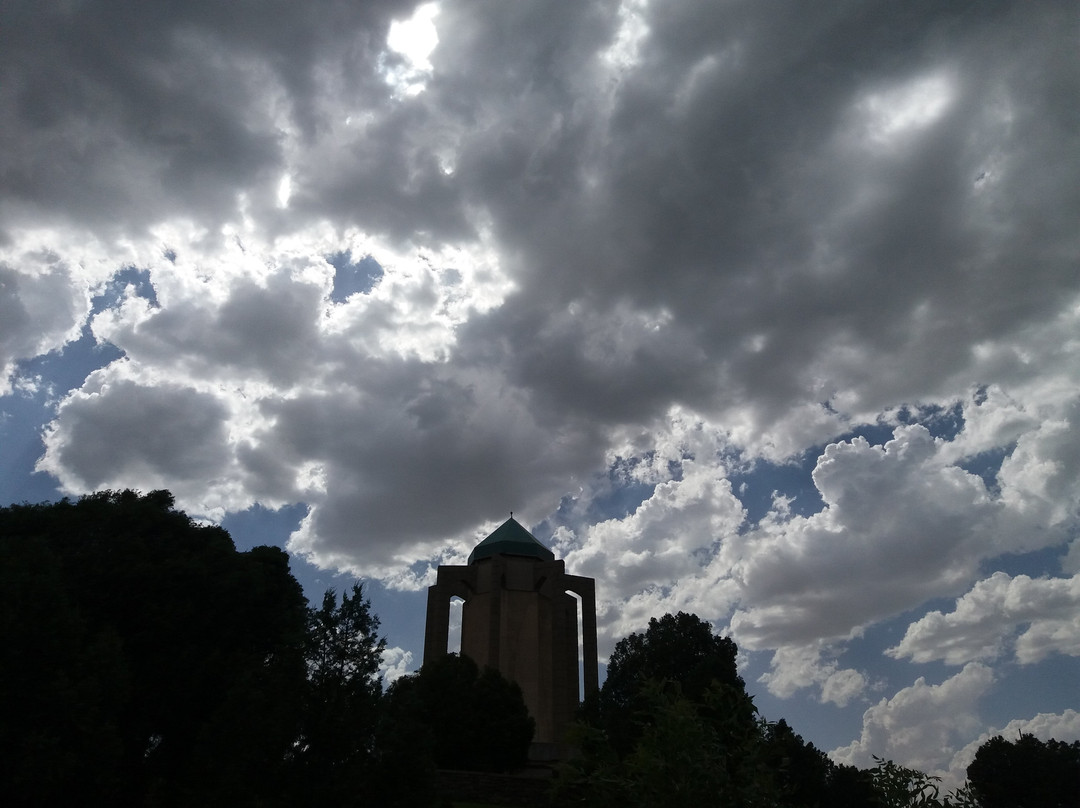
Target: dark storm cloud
[
  {"x": 385, "y": 173},
  {"x": 777, "y": 219},
  {"x": 610, "y": 364},
  {"x": 122, "y": 113},
  {"x": 725, "y": 174},
  {"x": 267, "y": 331},
  {"x": 742, "y": 175},
  {"x": 410, "y": 457},
  {"x": 626, "y": 251},
  {"x": 159, "y": 433},
  {"x": 738, "y": 208}
]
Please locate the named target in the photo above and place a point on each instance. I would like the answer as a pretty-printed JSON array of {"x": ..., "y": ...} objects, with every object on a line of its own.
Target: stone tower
[{"x": 519, "y": 619}]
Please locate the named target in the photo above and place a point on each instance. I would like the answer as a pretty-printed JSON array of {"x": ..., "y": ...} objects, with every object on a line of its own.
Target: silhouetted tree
[
  {"x": 334, "y": 756},
  {"x": 679, "y": 648},
  {"x": 850, "y": 787},
  {"x": 63, "y": 682},
  {"x": 808, "y": 778},
  {"x": 1026, "y": 773},
  {"x": 901, "y": 787},
  {"x": 898, "y": 786},
  {"x": 688, "y": 753},
  {"x": 672, "y": 725},
  {"x": 405, "y": 751},
  {"x": 151, "y": 663},
  {"x": 801, "y": 769},
  {"x": 469, "y": 719}
]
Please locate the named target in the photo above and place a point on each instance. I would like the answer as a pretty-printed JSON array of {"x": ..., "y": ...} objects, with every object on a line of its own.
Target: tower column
[
  {"x": 437, "y": 628},
  {"x": 585, "y": 588},
  {"x": 451, "y": 582}
]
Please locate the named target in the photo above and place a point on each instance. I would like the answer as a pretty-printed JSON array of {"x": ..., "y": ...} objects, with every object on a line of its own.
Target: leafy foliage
[
  {"x": 63, "y": 683},
  {"x": 901, "y": 787},
  {"x": 335, "y": 752},
  {"x": 468, "y": 719},
  {"x": 807, "y": 777},
  {"x": 672, "y": 725},
  {"x": 146, "y": 662},
  {"x": 679, "y": 648},
  {"x": 676, "y": 647},
  {"x": 1026, "y": 773},
  {"x": 683, "y": 757},
  {"x": 141, "y": 637}
]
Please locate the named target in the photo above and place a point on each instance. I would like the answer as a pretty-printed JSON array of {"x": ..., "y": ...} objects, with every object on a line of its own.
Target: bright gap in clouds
[
  {"x": 414, "y": 39},
  {"x": 413, "y": 321},
  {"x": 631, "y": 32},
  {"x": 284, "y": 191},
  {"x": 907, "y": 109},
  {"x": 352, "y": 277}
]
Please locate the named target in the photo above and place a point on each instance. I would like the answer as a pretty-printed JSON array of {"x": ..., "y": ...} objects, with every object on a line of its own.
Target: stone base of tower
[
  {"x": 549, "y": 752},
  {"x": 530, "y": 788}
]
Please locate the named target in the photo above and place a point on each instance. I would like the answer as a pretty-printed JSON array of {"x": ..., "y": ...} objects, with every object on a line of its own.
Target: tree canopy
[
  {"x": 678, "y": 649},
  {"x": 147, "y": 662},
  {"x": 472, "y": 719},
  {"x": 137, "y": 640},
  {"x": 334, "y": 758},
  {"x": 672, "y": 725},
  {"x": 1026, "y": 773}
]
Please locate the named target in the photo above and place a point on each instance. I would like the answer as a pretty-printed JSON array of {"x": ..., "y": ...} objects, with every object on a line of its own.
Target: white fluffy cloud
[
  {"x": 630, "y": 253},
  {"x": 1044, "y": 726},
  {"x": 174, "y": 436},
  {"x": 921, "y": 725},
  {"x": 666, "y": 538},
  {"x": 247, "y": 383},
  {"x": 41, "y": 308},
  {"x": 899, "y": 526},
  {"x": 985, "y": 622},
  {"x": 396, "y": 662},
  {"x": 795, "y": 667}
]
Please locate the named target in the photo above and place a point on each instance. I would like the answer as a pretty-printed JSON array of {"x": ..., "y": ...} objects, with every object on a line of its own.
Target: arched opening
[
  {"x": 580, "y": 645},
  {"x": 453, "y": 635}
]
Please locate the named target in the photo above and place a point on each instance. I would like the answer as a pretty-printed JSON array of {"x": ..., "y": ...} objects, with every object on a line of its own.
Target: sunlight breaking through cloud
[
  {"x": 414, "y": 39},
  {"x": 769, "y": 316}
]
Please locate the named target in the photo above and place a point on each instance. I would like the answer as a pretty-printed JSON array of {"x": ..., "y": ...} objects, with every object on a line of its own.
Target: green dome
[{"x": 510, "y": 538}]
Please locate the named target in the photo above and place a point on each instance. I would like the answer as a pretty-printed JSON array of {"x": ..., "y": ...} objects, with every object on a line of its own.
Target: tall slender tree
[{"x": 334, "y": 754}]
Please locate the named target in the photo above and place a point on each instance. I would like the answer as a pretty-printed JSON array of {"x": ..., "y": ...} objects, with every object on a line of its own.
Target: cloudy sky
[{"x": 768, "y": 311}]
